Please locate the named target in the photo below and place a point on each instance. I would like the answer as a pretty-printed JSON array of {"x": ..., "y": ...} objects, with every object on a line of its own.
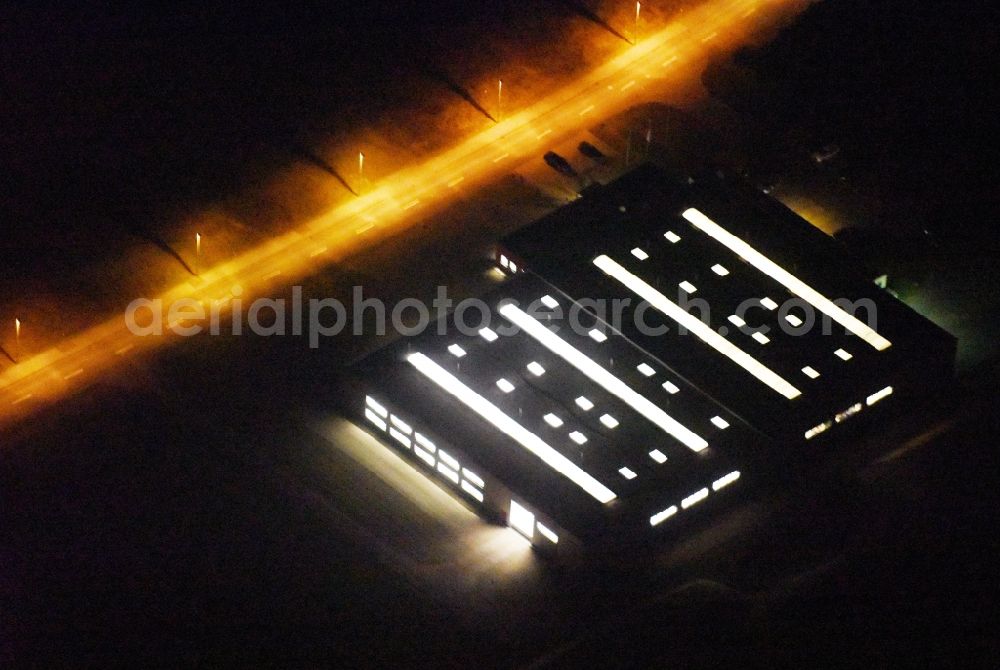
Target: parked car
[
  {"x": 559, "y": 164},
  {"x": 591, "y": 152}
]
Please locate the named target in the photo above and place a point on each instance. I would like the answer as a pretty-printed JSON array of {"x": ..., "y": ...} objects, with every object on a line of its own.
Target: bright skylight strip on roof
[
  {"x": 694, "y": 498},
  {"x": 878, "y": 395},
  {"x": 508, "y": 426},
  {"x": 549, "y": 301},
  {"x": 609, "y": 421},
  {"x": 687, "y": 287},
  {"x": 725, "y": 480},
  {"x": 785, "y": 278},
  {"x": 816, "y": 430},
  {"x": 660, "y": 517},
  {"x": 696, "y": 326},
  {"x": 602, "y": 377}
]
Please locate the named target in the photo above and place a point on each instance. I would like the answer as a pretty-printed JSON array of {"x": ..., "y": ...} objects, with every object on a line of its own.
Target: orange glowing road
[{"x": 400, "y": 199}]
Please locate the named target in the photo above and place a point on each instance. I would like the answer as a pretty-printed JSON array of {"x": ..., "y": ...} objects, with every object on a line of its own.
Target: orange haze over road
[{"x": 397, "y": 202}]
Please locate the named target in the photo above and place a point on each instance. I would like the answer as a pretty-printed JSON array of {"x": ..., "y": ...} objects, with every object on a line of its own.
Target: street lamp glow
[
  {"x": 197, "y": 253},
  {"x": 635, "y": 31},
  {"x": 361, "y": 171},
  {"x": 499, "y": 99},
  {"x": 17, "y": 338}
]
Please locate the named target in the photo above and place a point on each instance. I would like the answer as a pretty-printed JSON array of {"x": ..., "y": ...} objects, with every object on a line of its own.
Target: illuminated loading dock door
[{"x": 523, "y": 520}]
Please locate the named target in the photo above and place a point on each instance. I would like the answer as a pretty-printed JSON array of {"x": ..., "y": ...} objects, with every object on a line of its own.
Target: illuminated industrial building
[{"x": 654, "y": 346}]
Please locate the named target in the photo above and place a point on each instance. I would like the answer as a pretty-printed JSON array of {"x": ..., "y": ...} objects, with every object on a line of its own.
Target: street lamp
[
  {"x": 361, "y": 172},
  {"x": 197, "y": 253},
  {"x": 635, "y": 30},
  {"x": 17, "y": 339},
  {"x": 499, "y": 99}
]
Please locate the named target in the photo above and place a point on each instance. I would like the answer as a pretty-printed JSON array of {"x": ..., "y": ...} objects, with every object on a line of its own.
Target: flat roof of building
[
  {"x": 650, "y": 344},
  {"x": 752, "y": 283},
  {"x": 579, "y": 421}
]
